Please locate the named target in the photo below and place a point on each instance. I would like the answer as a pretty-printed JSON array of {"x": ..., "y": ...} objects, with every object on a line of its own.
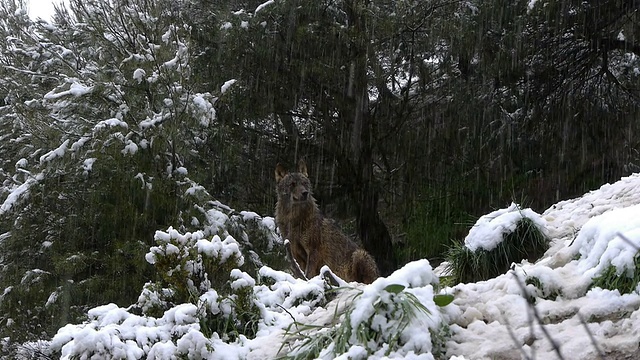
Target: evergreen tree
[{"x": 107, "y": 122}]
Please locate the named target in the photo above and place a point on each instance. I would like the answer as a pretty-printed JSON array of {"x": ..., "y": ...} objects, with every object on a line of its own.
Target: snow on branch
[
  {"x": 75, "y": 89},
  {"x": 57, "y": 153}
]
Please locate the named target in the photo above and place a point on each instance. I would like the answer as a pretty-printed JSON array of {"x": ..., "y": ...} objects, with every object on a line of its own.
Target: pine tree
[{"x": 104, "y": 122}]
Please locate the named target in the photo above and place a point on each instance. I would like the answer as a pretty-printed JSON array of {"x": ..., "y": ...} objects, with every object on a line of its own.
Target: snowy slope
[
  {"x": 496, "y": 322},
  {"x": 537, "y": 311}
]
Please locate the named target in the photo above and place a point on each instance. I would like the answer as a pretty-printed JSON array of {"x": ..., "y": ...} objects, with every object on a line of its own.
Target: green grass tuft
[
  {"x": 543, "y": 291},
  {"x": 611, "y": 279},
  {"x": 525, "y": 242}
]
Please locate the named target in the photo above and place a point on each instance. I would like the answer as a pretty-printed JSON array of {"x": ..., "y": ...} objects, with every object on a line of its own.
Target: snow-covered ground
[
  {"x": 546, "y": 310},
  {"x": 494, "y": 320}
]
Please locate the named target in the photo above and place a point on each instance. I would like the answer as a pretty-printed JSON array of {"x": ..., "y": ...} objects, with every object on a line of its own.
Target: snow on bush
[
  {"x": 184, "y": 315},
  {"x": 392, "y": 317},
  {"x": 497, "y": 240},
  {"x": 202, "y": 302},
  {"x": 605, "y": 252},
  {"x": 187, "y": 262},
  {"x": 114, "y": 333},
  {"x": 610, "y": 239},
  {"x": 488, "y": 231}
]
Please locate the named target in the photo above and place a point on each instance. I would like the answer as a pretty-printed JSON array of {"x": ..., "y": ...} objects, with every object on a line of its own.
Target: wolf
[{"x": 314, "y": 240}]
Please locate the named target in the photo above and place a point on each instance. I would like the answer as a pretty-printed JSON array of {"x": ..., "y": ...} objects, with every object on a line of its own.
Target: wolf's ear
[
  {"x": 302, "y": 168},
  {"x": 280, "y": 172}
]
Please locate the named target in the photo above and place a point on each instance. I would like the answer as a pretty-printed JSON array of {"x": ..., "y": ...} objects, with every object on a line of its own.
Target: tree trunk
[{"x": 372, "y": 230}]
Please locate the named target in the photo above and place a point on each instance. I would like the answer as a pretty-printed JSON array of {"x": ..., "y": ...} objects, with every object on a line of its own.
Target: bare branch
[
  {"x": 593, "y": 340},
  {"x": 538, "y": 318}
]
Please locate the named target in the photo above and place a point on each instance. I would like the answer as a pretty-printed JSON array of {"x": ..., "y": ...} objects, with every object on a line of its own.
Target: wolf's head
[{"x": 293, "y": 188}]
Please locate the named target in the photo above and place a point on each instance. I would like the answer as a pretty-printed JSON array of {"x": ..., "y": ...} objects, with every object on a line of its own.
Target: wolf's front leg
[
  {"x": 295, "y": 267},
  {"x": 313, "y": 264}
]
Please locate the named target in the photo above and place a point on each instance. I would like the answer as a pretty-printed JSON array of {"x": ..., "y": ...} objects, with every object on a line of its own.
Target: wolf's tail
[{"x": 364, "y": 267}]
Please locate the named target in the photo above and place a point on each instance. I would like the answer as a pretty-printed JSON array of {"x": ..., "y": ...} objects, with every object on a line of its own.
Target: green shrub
[
  {"x": 203, "y": 269},
  {"x": 403, "y": 307},
  {"x": 381, "y": 320}
]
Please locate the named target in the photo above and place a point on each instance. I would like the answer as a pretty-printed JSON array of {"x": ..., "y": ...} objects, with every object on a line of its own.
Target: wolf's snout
[{"x": 304, "y": 196}]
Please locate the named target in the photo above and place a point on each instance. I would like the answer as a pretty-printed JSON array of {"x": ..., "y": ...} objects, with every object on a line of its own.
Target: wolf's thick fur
[{"x": 315, "y": 240}]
